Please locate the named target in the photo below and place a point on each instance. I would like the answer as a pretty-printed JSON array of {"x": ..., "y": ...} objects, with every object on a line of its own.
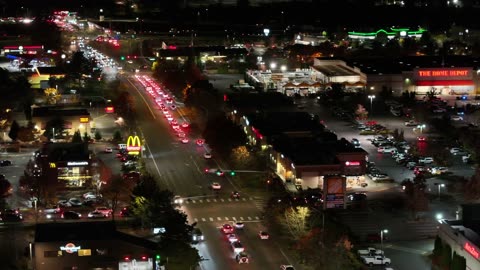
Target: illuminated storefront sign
[
  {"x": 133, "y": 145},
  {"x": 84, "y": 120},
  {"x": 443, "y": 73},
  {"x": 472, "y": 250},
  {"x": 70, "y": 248},
  {"x": 352, "y": 163},
  {"x": 422, "y": 74},
  {"x": 53, "y": 165},
  {"x": 77, "y": 163}
]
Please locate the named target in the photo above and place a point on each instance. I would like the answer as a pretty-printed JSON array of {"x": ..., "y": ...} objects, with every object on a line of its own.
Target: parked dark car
[
  {"x": 5, "y": 162},
  {"x": 10, "y": 215},
  {"x": 71, "y": 215}
]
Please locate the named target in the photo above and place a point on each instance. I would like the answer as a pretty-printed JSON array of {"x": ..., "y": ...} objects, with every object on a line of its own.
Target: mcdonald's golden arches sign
[{"x": 134, "y": 145}]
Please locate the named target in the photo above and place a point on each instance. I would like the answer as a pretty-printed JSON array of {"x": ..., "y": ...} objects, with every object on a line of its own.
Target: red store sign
[
  {"x": 443, "y": 73},
  {"x": 472, "y": 250}
]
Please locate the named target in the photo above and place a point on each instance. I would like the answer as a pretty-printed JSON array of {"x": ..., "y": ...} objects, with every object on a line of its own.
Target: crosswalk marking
[
  {"x": 234, "y": 218},
  {"x": 211, "y": 219},
  {"x": 201, "y": 201},
  {"x": 196, "y": 219},
  {"x": 229, "y": 219},
  {"x": 226, "y": 218},
  {"x": 194, "y": 201},
  {"x": 214, "y": 200},
  {"x": 203, "y": 219},
  {"x": 222, "y": 200},
  {"x": 219, "y": 218},
  {"x": 208, "y": 200},
  {"x": 249, "y": 218},
  {"x": 241, "y": 218},
  {"x": 257, "y": 218}
]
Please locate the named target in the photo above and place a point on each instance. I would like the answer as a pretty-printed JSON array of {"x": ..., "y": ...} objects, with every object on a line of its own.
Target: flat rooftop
[
  {"x": 272, "y": 123},
  {"x": 335, "y": 70}
]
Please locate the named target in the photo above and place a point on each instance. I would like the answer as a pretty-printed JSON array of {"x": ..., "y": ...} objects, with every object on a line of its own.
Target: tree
[
  {"x": 296, "y": 221},
  {"x": 446, "y": 256},
  {"x": 116, "y": 189},
  {"x": 98, "y": 135},
  {"x": 57, "y": 125},
  {"x": 437, "y": 247},
  {"x": 86, "y": 137},
  {"x": 77, "y": 138},
  {"x": 472, "y": 187},
  {"x": 361, "y": 112},
  {"x": 14, "y": 128},
  {"x": 117, "y": 136},
  {"x": 241, "y": 157},
  {"x": 5, "y": 188},
  {"x": 52, "y": 96}
]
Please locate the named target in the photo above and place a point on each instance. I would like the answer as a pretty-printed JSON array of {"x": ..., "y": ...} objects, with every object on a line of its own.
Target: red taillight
[{"x": 206, "y": 170}]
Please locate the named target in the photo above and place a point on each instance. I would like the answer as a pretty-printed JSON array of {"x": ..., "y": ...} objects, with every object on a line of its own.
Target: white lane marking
[
  {"x": 227, "y": 219},
  {"x": 208, "y": 200},
  {"x": 215, "y": 200},
  {"x": 196, "y": 219},
  {"x": 222, "y": 200},
  {"x": 257, "y": 218},
  {"x": 229, "y": 200},
  {"x": 219, "y": 218},
  {"x": 203, "y": 219},
  {"x": 211, "y": 219},
  {"x": 249, "y": 218},
  {"x": 193, "y": 201},
  {"x": 234, "y": 218},
  {"x": 241, "y": 218},
  {"x": 201, "y": 201}
]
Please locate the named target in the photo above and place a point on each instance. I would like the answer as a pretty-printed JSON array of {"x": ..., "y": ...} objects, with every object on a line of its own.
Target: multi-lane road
[{"x": 180, "y": 167}]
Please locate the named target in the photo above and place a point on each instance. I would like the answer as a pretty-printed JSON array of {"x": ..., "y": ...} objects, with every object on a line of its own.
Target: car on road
[
  {"x": 227, "y": 228},
  {"x": 197, "y": 235},
  {"x": 125, "y": 212},
  {"x": 181, "y": 135},
  {"x": 263, "y": 235},
  {"x": 286, "y": 267},
  {"x": 216, "y": 186},
  {"x": 207, "y": 155},
  {"x": 135, "y": 176},
  {"x": 200, "y": 142},
  {"x": 235, "y": 195},
  {"x": 108, "y": 150},
  {"x": 237, "y": 247},
  {"x": 457, "y": 151},
  {"x": 96, "y": 214},
  {"x": 242, "y": 257},
  {"x": 421, "y": 139},
  {"x": 185, "y": 125},
  {"x": 173, "y": 107},
  {"x": 71, "y": 215},
  {"x": 5, "y": 162},
  {"x": 184, "y": 140},
  {"x": 239, "y": 225},
  {"x": 232, "y": 237},
  {"x": 64, "y": 203}
]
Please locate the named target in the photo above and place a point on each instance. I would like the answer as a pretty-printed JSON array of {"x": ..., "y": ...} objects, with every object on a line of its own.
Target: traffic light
[
  {"x": 157, "y": 257},
  {"x": 219, "y": 173},
  {"x": 232, "y": 173},
  {"x": 122, "y": 58}
]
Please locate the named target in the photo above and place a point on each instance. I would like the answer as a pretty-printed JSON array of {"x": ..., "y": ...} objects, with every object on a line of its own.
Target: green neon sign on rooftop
[{"x": 392, "y": 32}]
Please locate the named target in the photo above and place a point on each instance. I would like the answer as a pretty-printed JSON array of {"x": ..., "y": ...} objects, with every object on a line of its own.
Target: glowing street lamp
[
  {"x": 273, "y": 65},
  {"x": 440, "y": 186},
  {"x": 283, "y": 68},
  {"x": 381, "y": 241},
  {"x": 421, "y": 127},
  {"x": 371, "y": 97}
]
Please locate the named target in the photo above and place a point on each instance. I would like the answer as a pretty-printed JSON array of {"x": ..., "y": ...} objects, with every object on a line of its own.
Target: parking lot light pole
[
  {"x": 381, "y": 242},
  {"x": 440, "y": 188},
  {"x": 421, "y": 127},
  {"x": 371, "y": 97}
]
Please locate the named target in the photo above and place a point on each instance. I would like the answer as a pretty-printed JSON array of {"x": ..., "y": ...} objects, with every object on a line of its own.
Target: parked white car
[
  {"x": 425, "y": 160},
  {"x": 386, "y": 149},
  {"x": 376, "y": 260}
]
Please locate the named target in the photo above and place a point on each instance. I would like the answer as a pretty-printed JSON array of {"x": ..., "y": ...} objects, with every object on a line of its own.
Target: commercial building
[
  {"x": 321, "y": 76},
  {"x": 66, "y": 164},
  {"x": 463, "y": 236},
  {"x": 73, "y": 119},
  {"x": 90, "y": 245},
  {"x": 298, "y": 147}
]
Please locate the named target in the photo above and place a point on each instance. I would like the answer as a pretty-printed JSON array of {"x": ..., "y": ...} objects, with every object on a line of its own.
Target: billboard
[{"x": 334, "y": 191}]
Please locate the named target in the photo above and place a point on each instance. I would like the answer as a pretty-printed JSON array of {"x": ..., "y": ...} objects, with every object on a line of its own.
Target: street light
[
  {"x": 439, "y": 217},
  {"x": 381, "y": 242},
  {"x": 371, "y": 97},
  {"x": 421, "y": 127},
  {"x": 273, "y": 65},
  {"x": 439, "y": 188}
]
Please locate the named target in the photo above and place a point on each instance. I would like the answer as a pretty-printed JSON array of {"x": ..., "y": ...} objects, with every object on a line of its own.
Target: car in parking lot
[
  {"x": 104, "y": 210},
  {"x": 355, "y": 143},
  {"x": 96, "y": 214},
  {"x": 456, "y": 151},
  {"x": 411, "y": 123},
  {"x": 71, "y": 215},
  {"x": 239, "y": 225},
  {"x": 286, "y": 267},
  {"x": 75, "y": 202},
  {"x": 425, "y": 160},
  {"x": 379, "y": 177},
  {"x": 11, "y": 215},
  {"x": 5, "y": 162},
  {"x": 456, "y": 118},
  {"x": 386, "y": 149}
]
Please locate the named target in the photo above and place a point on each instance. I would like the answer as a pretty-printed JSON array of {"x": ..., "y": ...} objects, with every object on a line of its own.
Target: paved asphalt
[{"x": 179, "y": 168}]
